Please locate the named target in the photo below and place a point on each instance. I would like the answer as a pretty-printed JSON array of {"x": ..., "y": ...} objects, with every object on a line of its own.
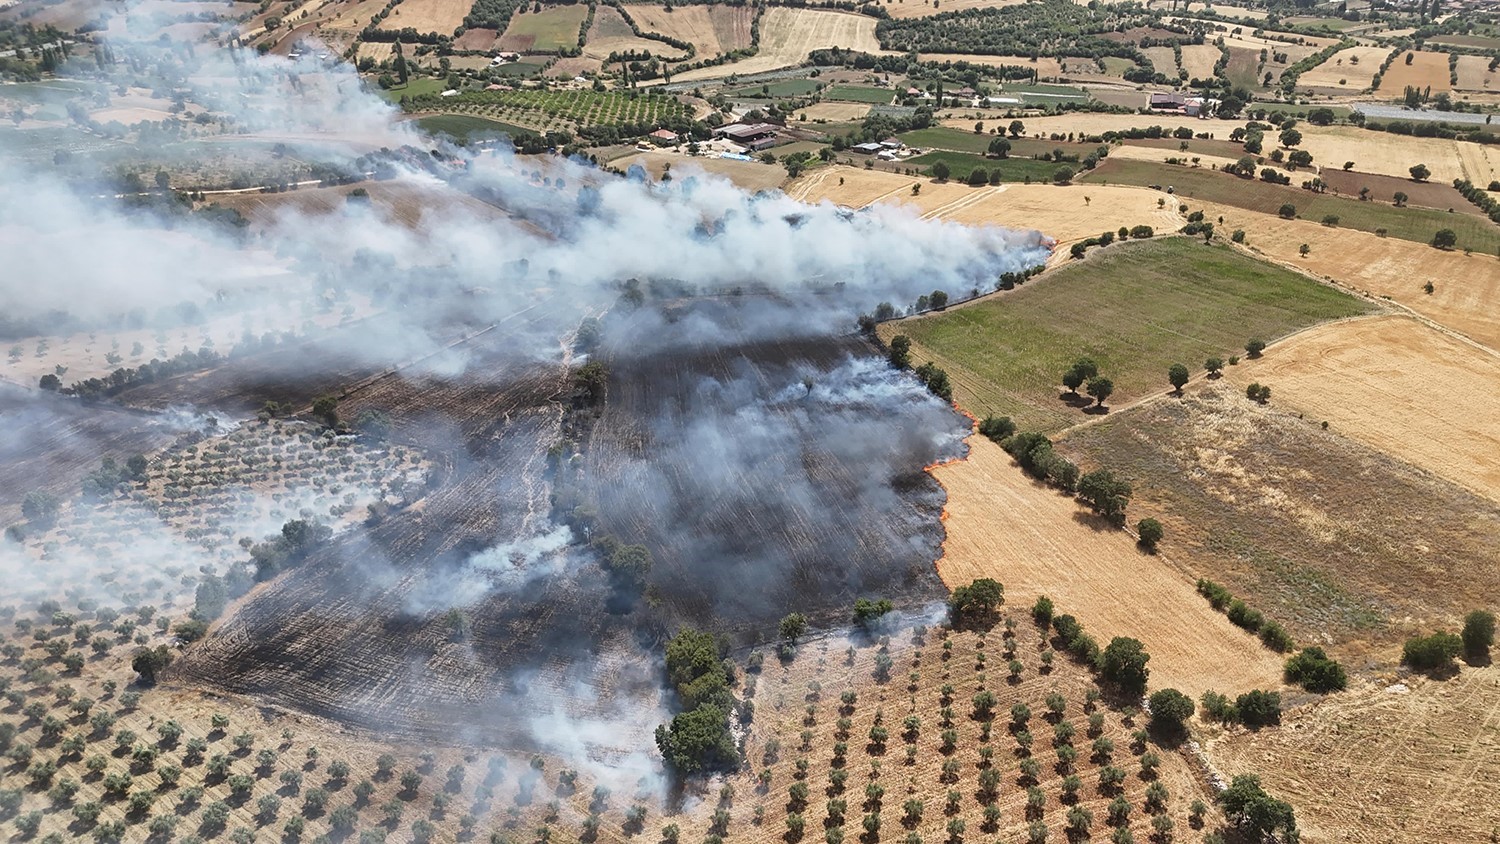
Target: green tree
[
  {"x": 1478, "y": 634},
  {"x": 1419, "y": 172},
  {"x": 1254, "y": 347},
  {"x": 1170, "y": 710},
  {"x": 1177, "y": 374},
  {"x": 326, "y": 408},
  {"x": 1105, "y": 493},
  {"x": 900, "y": 353},
  {"x": 1124, "y": 663},
  {"x": 977, "y": 600},
  {"x": 941, "y": 171},
  {"x": 1150, "y": 532},
  {"x": 1258, "y": 708},
  {"x": 1000, "y": 148},
  {"x": 1445, "y": 239},
  {"x": 1100, "y": 388},
  {"x": 1247, "y": 804},
  {"x": 792, "y": 626},
  {"x": 1214, "y": 366},
  {"x": 1287, "y": 211},
  {"x": 147, "y": 662}
]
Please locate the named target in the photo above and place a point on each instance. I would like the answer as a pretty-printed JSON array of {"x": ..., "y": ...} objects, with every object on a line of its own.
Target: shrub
[
  {"x": 1479, "y": 633},
  {"x": 1242, "y": 615},
  {"x": 1275, "y": 637},
  {"x": 997, "y": 428},
  {"x": 1258, "y": 708},
  {"x": 1287, "y": 211},
  {"x": 1314, "y": 671},
  {"x": 1430, "y": 653},
  {"x": 1124, "y": 663}
]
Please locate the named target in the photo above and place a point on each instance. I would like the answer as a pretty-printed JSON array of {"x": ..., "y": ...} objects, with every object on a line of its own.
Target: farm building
[
  {"x": 752, "y": 136},
  {"x": 870, "y": 148},
  {"x": 664, "y": 137},
  {"x": 891, "y": 143},
  {"x": 1168, "y": 102}
]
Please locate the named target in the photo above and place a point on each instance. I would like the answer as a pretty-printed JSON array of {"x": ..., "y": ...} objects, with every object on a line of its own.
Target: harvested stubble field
[
  {"x": 934, "y": 675},
  {"x": 787, "y": 35},
  {"x": 1394, "y": 155},
  {"x": 1427, "y": 70},
  {"x": 1149, "y": 305},
  {"x": 749, "y": 175},
  {"x": 1199, "y": 59},
  {"x": 1059, "y": 212},
  {"x": 438, "y": 16},
  {"x": 1193, "y": 185},
  {"x": 1045, "y": 67},
  {"x": 1474, "y": 74},
  {"x": 1401, "y": 386},
  {"x": 1416, "y": 762},
  {"x": 712, "y": 30},
  {"x": 544, "y": 31},
  {"x": 1088, "y": 123},
  {"x": 837, "y": 112},
  {"x": 401, "y": 201},
  {"x": 1344, "y": 545},
  {"x": 1003, "y": 524},
  {"x": 1350, "y": 70},
  {"x": 611, "y": 34}
]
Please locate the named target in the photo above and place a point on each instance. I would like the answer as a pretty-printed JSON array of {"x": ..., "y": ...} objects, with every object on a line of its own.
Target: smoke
[{"x": 768, "y": 461}]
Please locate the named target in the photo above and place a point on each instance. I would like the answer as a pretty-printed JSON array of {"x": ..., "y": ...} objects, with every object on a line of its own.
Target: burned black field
[{"x": 761, "y": 477}]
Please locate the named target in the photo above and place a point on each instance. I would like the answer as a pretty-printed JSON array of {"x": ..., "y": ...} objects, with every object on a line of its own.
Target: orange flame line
[{"x": 943, "y": 516}]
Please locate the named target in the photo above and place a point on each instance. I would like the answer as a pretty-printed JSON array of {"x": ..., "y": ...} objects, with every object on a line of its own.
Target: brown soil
[
  {"x": 1427, "y": 70},
  {"x": 1443, "y": 197}
]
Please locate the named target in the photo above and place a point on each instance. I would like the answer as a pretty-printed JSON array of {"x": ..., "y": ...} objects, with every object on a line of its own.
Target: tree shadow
[
  {"x": 1097, "y": 410},
  {"x": 1074, "y": 399}
]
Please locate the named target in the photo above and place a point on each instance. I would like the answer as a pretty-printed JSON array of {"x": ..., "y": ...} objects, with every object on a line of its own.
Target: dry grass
[
  {"x": 1403, "y": 387},
  {"x": 1199, "y": 59},
  {"x": 1044, "y": 66},
  {"x": 1059, "y": 212},
  {"x": 439, "y": 16},
  {"x": 788, "y": 35},
  {"x": 1345, "y": 546},
  {"x": 922, "y": 8},
  {"x": 693, "y": 24},
  {"x": 1393, "y": 155},
  {"x": 546, "y": 30},
  {"x": 1037, "y": 541},
  {"x": 1427, "y": 70},
  {"x": 836, "y": 112},
  {"x": 1378, "y": 764},
  {"x": 1097, "y": 124},
  {"x": 610, "y": 34},
  {"x": 1341, "y": 66},
  {"x": 750, "y": 175},
  {"x": 1474, "y": 74},
  {"x": 1164, "y": 60}
]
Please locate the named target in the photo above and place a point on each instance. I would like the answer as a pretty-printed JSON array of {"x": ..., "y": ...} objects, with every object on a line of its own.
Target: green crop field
[
  {"x": 549, "y": 29},
  {"x": 418, "y": 86},
  {"x": 783, "y": 88},
  {"x": 858, "y": 94},
  {"x": 1418, "y": 224},
  {"x": 462, "y": 127},
  {"x": 939, "y": 137},
  {"x": 1134, "y": 308},
  {"x": 1011, "y": 169}
]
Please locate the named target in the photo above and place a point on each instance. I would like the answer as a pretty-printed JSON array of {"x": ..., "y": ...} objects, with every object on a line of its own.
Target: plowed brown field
[
  {"x": 1403, "y": 387},
  {"x": 788, "y": 35},
  {"x": 1036, "y": 541}
]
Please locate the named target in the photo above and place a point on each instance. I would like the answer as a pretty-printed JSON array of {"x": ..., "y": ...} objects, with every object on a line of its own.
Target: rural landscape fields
[{"x": 642, "y": 422}]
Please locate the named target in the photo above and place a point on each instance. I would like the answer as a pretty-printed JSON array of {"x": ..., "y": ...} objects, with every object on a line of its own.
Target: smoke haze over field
[{"x": 768, "y": 460}]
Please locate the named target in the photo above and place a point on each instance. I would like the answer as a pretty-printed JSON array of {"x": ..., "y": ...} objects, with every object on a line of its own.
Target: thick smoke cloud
[{"x": 770, "y": 435}]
